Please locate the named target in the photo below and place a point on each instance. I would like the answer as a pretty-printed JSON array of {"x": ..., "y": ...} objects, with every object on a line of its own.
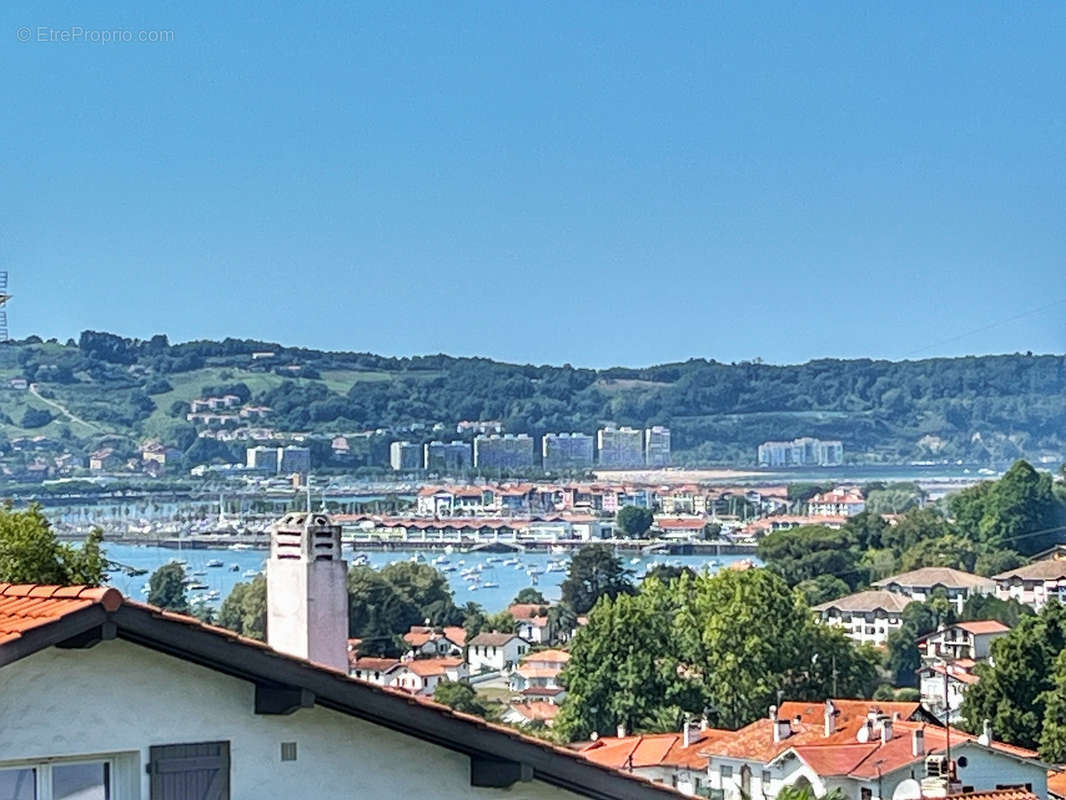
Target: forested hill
[{"x": 980, "y": 409}]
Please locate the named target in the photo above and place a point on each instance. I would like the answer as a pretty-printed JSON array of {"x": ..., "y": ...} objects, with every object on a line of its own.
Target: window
[
  {"x": 765, "y": 779},
  {"x": 18, "y": 784},
  {"x": 59, "y": 780},
  {"x": 726, "y": 772},
  {"x": 866, "y": 793},
  {"x": 85, "y": 781}
]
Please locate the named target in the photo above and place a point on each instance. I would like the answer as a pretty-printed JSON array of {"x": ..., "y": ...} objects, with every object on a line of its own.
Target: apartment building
[
  {"x": 404, "y": 456},
  {"x": 657, "y": 446},
  {"x": 496, "y": 452},
  {"x": 620, "y": 448},
  {"x": 802, "y": 452},
  {"x": 451, "y": 457},
  {"x": 563, "y": 451}
]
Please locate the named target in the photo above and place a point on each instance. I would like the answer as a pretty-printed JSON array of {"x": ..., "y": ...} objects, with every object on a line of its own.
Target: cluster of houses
[
  {"x": 948, "y": 655},
  {"x": 862, "y": 748},
  {"x": 517, "y": 661}
]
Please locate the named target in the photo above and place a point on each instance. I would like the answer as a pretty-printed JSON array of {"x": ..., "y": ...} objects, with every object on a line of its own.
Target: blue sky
[{"x": 593, "y": 183}]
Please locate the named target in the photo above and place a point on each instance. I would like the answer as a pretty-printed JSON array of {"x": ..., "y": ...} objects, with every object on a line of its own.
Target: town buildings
[
  {"x": 507, "y": 452},
  {"x": 495, "y": 652},
  {"x": 803, "y": 452},
  {"x": 840, "y": 502},
  {"x": 657, "y": 446},
  {"x": 294, "y": 460},
  {"x": 920, "y": 584},
  {"x": 620, "y": 448},
  {"x": 537, "y": 676},
  {"x": 866, "y": 616},
  {"x": 532, "y": 621},
  {"x": 405, "y": 456},
  {"x": 1034, "y": 584},
  {"x": 447, "y": 457},
  {"x": 866, "y": 750},
  {"x": 567, "y": 451}
]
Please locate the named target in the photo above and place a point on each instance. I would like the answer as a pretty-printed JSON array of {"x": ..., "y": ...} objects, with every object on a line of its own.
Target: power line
[{"x": 987, "y": 327}]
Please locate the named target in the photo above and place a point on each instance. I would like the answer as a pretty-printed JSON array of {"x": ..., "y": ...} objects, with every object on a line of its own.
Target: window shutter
[{"x": 190, "y": 771}]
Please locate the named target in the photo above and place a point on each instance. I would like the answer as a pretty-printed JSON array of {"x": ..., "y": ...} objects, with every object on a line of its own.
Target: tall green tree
[
  {"x": 31, "y": 553},
  {"x": 810, "y": 551},
  {"x": 742, "y": 637},
  {"x": 595, "y": 571},
  {"x": 427, "y": 588},
  {"x": 1053, "y": 735},
  {"x": 166, "y": 588},
  {"x": 944, "y": 551},
  {"x": 917, "y": 620},
  {"x": 1018, "y": 512},
  {"x": 634, "y": 521},
  {"x": 618, "y": 673},
  {"x": 378, "y": 610},
  {"x": 245, "y": 608}
]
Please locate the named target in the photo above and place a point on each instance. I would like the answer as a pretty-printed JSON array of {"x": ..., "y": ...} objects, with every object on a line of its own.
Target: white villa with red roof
[
  {"x": 429, "y": 642},
  {"x": 840, "y": 502},
  {"x": 537, "y": 676},
  {"x": 532, "y": 619},
  {"x": 867, "y": 750},
  {"x": 1034, "y": 584},
  {"x": 962, "y": 640}
]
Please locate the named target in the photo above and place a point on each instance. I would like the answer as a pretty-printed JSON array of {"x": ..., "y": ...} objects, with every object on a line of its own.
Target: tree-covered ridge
[{"x": 979, "y": 409}]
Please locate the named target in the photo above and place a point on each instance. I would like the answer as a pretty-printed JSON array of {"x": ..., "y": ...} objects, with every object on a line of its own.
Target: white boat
[
  {"x": 215, "y": 562},
  {"x": 490, "y": 585},
  {"x": 511, "y": 562},
  {"x": 634, "y": 560},
  {"x": 234, "y": 567},
  {"x": 250, "y": 573},
  {"x": 240, "y": 546}
]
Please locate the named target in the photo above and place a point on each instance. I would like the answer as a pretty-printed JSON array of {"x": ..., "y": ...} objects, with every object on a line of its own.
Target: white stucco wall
[{"x": 120, "y": 698}]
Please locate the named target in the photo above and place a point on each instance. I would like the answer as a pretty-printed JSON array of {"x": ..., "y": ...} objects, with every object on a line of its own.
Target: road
[{"x": 64, "y": 410}]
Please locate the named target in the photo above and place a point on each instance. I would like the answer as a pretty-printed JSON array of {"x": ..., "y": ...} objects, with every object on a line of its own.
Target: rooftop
[
  {"x": 872, "y": 600},
  {"x": 1047, "y": 570},
  {"x": 927, "y": 577}
]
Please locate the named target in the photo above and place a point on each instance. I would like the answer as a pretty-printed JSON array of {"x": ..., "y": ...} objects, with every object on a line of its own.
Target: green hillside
[{"x": 988, "y": 409}]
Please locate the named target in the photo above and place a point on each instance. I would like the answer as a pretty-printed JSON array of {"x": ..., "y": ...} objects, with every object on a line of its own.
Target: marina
[{"x": 490, "y": 579}]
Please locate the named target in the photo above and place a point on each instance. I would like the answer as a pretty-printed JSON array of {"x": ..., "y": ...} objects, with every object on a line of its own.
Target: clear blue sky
[{"x": 593, "y": 183}]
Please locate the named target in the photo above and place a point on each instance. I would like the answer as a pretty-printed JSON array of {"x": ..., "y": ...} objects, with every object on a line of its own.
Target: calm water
[{"x": 511, "y": 579}]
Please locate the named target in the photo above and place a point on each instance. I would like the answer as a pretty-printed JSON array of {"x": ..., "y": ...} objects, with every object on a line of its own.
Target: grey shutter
[{"x": 190, "y": 771}]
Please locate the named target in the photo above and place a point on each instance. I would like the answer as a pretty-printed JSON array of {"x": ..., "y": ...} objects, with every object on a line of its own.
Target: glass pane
[
  {"x": 18, "y": 784},
  {"x": 80, "y": 781}
]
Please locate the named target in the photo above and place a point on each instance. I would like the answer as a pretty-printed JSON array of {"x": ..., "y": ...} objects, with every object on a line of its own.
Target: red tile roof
[
  {"x": 998, "y": 794},
  {"x": 547, "y": 657},
  {"x": 652, "y": 750},
  {"x": 983, "y": 626},
  {"x": 427, "y": 667},
  {"x": 536, "y": 710},
  {"x": 26, "y": 606}
]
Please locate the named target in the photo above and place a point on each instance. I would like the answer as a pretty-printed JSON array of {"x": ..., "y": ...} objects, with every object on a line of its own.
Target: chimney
[
  {"x": 704, "y": 723},
  {"x": 886, "y": 730},
  {"x": 307, "y": 593},
  {"x": 986, "y": 733},
  {"x": 621, "y": 731},
  {"x": 782, "y": 727},
  {"x": 918, "y": 742},
  {"x": 686, "y": 733},
  {"x": 830, "y": 718}
]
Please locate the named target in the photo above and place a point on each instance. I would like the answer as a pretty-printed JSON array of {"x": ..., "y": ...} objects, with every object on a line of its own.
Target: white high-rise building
[
  {"x": 620, "y": 448},
  {"x": 503, "y": 452},
  {"x": 802, "y": 452},
  {"x": 561, "y": 451},
  {"x": 307, "y": 590},
  {"x": 405, "y": 456},
  {"x": 657, "y": 446}
]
